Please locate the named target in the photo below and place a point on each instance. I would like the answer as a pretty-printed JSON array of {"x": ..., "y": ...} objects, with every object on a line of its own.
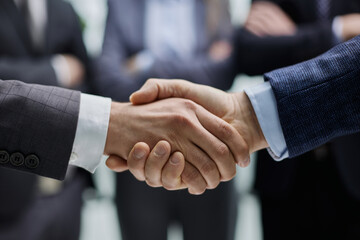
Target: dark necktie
[
  {"x": 323, "y": 9},
  {"x": 36, "y": 35}
]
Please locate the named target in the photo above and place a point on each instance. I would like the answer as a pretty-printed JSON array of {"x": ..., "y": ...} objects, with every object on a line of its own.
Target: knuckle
[
  {"x": 189, "y": 104},
  {"x": 190, "y": 174},
  {"x": 225, "y": 129},
  {"x": 182, "y": 120},
  {"x": 208, "y": 167},
  {"x": 150, "y": 81},
  {"x": 223, "y": 150}
]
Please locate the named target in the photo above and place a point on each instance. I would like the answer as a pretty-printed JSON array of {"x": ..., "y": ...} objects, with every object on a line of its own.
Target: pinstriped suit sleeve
[
  {"x": 37, "y": 127},
  {"x": 319, "y": 99}
]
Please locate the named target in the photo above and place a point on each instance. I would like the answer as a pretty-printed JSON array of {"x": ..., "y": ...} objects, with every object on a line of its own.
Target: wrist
[
  {"x": 113, "y": 137},
  {"x": 247, "y": 123}
]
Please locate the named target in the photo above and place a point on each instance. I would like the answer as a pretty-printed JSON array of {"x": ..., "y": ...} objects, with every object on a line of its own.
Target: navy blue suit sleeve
[{"x": 319, "y": 99}]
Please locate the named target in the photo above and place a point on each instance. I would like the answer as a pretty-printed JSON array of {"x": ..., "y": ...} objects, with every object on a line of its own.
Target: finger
[
  {"x": 203, "y": 163},
  {"x": 231, "y": 146},
  {"x": 137, "y": 159},
  {"x": 171, "y": 174},
  {"x": 117, "y": 164},
  {"x": 156, "y": 162},
  {"x": 193, "y": 179},
  {"x": 155, "y": 89}
]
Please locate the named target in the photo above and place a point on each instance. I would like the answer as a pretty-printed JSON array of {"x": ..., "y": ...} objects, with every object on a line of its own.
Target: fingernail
[
  {"x": 244, "y": 163},
  {"x": 139, "y": 153},
  {"x": 160, "y": 151},
  {"x": 110, "y": 162},
  {"x": 174, "y": 161},
  {"x": 131, "y": 97}
]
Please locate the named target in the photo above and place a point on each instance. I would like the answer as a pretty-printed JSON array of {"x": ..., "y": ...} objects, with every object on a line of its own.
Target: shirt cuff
[
  {"x": 337, "y": 27},
  {"x": 91, "y": 132},
  {"x": 264, "y": 103}
]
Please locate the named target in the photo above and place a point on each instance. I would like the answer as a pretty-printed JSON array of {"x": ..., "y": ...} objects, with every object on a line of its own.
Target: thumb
[
  {"x": 147, "y": 93},
  {"x": 116, "y": 163},
  {"x": 156, "y": 89}
]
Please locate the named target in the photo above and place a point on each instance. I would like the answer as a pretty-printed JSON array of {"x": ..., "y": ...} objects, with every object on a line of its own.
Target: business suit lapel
[{"x": 18, "y": 21}]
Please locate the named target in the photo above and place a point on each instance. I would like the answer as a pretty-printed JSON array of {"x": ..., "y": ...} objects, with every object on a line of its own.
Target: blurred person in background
[
  {"x": 41, "y": 42},
  {"x": 316, "y": 195},
  {"x": 187, "y": 39}
]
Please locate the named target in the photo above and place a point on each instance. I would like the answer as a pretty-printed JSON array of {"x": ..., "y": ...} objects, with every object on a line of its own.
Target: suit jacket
[
  {"x": 319, "y": 100},
  {"x": 44, "y": 116},
  {"x": 124, "y": 37},
  {"x": 257, "y": 55},
  {"x": 37, "y": 126},
  {"x": 36, "y": 119},
  {"x": 20, "y": 60}
]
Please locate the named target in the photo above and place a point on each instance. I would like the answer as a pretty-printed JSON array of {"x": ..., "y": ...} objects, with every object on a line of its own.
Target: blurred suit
[
  {"x": 27, "y": 210},
  {"x": 316, "y": 195},
  {"x": 145, "y": 213},
  {"x": 256, "y": 55},
  {"x": 125, "y": 37}
]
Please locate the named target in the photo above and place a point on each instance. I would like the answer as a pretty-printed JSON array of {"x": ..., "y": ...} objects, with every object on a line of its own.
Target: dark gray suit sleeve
[
  {"x": 37, "y": 127},
  {"x": 319, "y": 99}
]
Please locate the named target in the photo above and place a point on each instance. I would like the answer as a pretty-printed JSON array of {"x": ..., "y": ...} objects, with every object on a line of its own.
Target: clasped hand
[{"x": 178, "y": 135}]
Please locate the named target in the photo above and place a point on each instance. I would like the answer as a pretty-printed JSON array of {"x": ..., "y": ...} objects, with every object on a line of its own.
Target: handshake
[{"x": 179, "y": 135}]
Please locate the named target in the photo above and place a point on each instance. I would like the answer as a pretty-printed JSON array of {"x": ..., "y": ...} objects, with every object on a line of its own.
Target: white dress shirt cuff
[
  {"x": 337, "y": 27},
  {"x": 264, "y": 103},
  {"x": 91, "y": 132}
]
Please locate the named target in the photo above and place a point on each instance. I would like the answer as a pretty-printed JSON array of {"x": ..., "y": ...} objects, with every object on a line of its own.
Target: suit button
[
  {"x": 32, "y": 161},
  {"x": 4, "y": 157},
  {"x": 17, "y": 159}
]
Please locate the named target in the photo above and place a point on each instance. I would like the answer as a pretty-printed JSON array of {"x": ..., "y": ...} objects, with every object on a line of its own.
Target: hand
[
  {"x": 188, "y": 128},
  {"x": 220, "y": 50},
  {"x": 351, "y": 25},
  {"x": 76, "y": 71},
  {"x": 234, "y": 108},
  {"x": 167, "y": 168},
  {"x": 268, "y": 19}
]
